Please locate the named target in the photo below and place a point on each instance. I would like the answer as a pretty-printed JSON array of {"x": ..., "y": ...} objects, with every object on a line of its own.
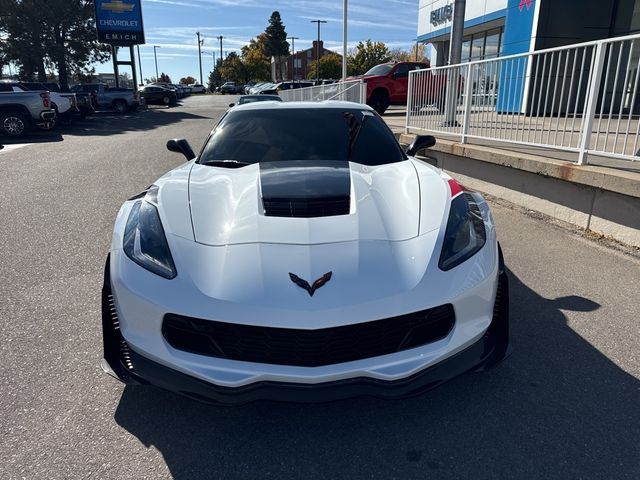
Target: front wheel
[
  {"x": 120, "y": 106},
  {"x": 13, "y": 124},
  {"x": 166, "y": 100}
]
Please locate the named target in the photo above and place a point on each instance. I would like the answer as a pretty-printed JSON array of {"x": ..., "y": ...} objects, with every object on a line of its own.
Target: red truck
[{"x": 387, "y": 84}]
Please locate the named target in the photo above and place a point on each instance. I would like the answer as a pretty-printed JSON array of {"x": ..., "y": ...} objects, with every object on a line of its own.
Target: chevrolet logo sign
[{"x": 118, "y": 6}]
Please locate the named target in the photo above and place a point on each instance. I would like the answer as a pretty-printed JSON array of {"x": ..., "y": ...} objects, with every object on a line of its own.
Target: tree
[
  {"x": 330, "y": 66},
  {"x": 232, "y": 69},
  {"x": 164, "y": 78},
  {"x": 256, "y": 63},
  {"x": 367, "y": 55},
  {"x": 60, "y": 32},
  {"x": 215, "y": 78},
  {"x": 276, "y": 44},
  {"x": 187, "y": 80},
  {"x": 400, "y": 55}
]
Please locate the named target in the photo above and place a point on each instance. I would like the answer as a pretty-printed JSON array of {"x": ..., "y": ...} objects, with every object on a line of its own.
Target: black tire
[
  {"x": 379, "y": 101},
  {"x": 166, "y": 100},
  {"x": 13, "y": 124},
  {"x": 120, "y": 106}
]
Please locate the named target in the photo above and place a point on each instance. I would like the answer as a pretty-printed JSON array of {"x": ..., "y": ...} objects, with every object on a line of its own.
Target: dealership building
[{"x": 505, "y": 27}]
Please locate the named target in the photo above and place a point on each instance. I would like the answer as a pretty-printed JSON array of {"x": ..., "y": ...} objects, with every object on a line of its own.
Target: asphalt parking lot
[{"x": 565, "y": 405}]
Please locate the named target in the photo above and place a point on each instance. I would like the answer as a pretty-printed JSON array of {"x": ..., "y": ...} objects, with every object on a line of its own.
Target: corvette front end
[{"x": 303, "y": 281}]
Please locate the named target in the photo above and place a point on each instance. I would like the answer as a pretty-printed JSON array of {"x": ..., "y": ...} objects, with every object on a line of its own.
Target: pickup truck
[
  {"x": 19, "y": 111},
  {"x": 387, "y": 84},
  {"x": 121, "y": 100},
  {"x": 65, "y": 104}
]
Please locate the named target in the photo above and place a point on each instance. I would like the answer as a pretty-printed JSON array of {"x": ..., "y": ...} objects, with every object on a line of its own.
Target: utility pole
[
  {"x": 455, "y": 56},
  {"x": 155, "y": 56},
  {"x": 293, "y": 62},
  {"x": 318, "y": 48},
  {"x": 344, "y": 39},
  {"x": 200, "y": 42}
]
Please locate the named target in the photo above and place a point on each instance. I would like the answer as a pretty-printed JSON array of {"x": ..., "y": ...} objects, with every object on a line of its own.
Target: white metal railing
[
  {"x": 583, "y": 98},
  {"x": 349, "y": 91}
]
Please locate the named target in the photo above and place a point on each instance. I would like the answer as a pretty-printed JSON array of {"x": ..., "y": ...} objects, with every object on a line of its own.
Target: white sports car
[{"x": 303, "y": 256}]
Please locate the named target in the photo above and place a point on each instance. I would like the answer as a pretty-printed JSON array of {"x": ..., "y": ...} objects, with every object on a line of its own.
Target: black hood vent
[{"x": 305, "y": 189}]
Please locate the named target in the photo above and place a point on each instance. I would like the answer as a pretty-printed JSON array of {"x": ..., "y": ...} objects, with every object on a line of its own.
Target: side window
[
  {"x": 402, "y": 71},
  {"x": 5, "y": 88}
]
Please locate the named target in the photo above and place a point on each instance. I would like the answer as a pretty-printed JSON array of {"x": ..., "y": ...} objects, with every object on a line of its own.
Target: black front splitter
[{"x": 133, "y": 368}]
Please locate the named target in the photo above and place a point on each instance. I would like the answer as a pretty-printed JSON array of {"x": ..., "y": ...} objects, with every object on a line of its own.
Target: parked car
[
  {"x": 229, "y": 87},
  {"x": 122, "y": 100},
  {"x": 254, "y": 88},
  {"x": 256, "y": 98},
  {"x": 267, "y": 88},
  {"x": 197, "y": 88},
  {"x": 387, "y": 84},
  {"x": 20, "y": 111},
  {"x": 292, "y": 85},
  {"x": 84, "y": 101},
  {"x": 154, "y": 94},
  {"x": 314, "y": 259},
  {"x": 65, "y": 104}
]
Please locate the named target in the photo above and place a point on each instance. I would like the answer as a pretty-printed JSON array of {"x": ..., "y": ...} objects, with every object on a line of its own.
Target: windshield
[
  {"x": 283, "y": 134},
  {"x": 380, "y": 69}
]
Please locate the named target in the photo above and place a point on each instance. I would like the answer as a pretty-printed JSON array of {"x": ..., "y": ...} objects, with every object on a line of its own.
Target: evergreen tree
[{"x": 276, "y": 44}]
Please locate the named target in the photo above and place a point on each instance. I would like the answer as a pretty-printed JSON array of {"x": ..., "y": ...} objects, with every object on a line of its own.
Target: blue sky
[{"x": 172, "y": 25}]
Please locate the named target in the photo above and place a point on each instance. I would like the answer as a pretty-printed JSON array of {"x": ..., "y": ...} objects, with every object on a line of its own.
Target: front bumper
[{"x": 131, "y": 367}]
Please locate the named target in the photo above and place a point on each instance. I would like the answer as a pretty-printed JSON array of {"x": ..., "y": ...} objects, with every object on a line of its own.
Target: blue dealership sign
[{"x": 119, "y": 22}]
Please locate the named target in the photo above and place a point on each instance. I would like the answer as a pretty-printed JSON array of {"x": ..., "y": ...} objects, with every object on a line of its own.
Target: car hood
[{"x": 307, "y": 203}]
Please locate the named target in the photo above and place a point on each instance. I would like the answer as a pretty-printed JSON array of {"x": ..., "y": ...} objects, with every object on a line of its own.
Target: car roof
[{"x": 325, "y": 105}]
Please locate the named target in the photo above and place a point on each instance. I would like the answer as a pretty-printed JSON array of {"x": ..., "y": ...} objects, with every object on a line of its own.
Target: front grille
[
  {"x": 308, "y": 348},
  {"x": 307, "y": 207}
]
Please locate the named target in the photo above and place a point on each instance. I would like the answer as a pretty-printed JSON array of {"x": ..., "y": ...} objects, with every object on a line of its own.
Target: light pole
[
  {"x": 220, "y": 37},
  {"x": 140, "y": 63},
  {"x": 155, "y": 56},
  {"x": 344, "y": 39},
  {"x": 200, "y": 42},
  {"x": 455, "y": 57},
  {"x": 318, "y": 48},
  {"x": 293, "y": 62}
]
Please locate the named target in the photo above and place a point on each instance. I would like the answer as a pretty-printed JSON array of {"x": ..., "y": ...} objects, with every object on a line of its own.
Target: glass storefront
[{"x": 479, "y": 46}]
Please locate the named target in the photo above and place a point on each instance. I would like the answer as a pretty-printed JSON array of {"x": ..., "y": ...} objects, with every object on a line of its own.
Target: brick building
[{"x": 296, "y": 66}]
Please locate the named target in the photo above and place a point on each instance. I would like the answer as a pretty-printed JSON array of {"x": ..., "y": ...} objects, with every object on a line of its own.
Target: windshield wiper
[{"x": 225, "y": 163}]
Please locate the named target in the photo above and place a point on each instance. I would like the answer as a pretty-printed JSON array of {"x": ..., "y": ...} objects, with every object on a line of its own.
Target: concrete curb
[{"x": 599, "y": 199}]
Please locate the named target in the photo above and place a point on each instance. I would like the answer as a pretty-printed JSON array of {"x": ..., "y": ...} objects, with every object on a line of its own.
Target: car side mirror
[
  {"x": 180, "y": 145},
  {"x": 419, "y": 143}
]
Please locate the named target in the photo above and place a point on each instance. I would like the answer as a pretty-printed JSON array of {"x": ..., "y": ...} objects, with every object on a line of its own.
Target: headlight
[
  {"x": 465, "y": 234},
  {"x": 144, "y": 239}
]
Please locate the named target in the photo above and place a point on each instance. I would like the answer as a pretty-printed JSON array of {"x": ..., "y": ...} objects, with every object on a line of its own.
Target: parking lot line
[{"x": 8, "y": 148}]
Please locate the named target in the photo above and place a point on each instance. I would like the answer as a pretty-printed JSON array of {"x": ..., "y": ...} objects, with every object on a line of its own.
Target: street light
[
  {"x": 220, "y": 37},
  {"x": 293, "y": 50},
  {"x": 155, "y": 56},
  {"x": 318, "y": 48},
  {"x": 200, "y": 43}
]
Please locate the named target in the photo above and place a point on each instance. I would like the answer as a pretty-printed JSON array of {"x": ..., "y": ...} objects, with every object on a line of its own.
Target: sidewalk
[{"x": 603, "y": 196}]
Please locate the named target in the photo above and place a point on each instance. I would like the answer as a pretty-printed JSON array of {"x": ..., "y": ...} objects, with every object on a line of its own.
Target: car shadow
[
  {"x": 34, "y": 136},
  {"x": 556, "y": 408},
  {"x": 108, "y": 123}
]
